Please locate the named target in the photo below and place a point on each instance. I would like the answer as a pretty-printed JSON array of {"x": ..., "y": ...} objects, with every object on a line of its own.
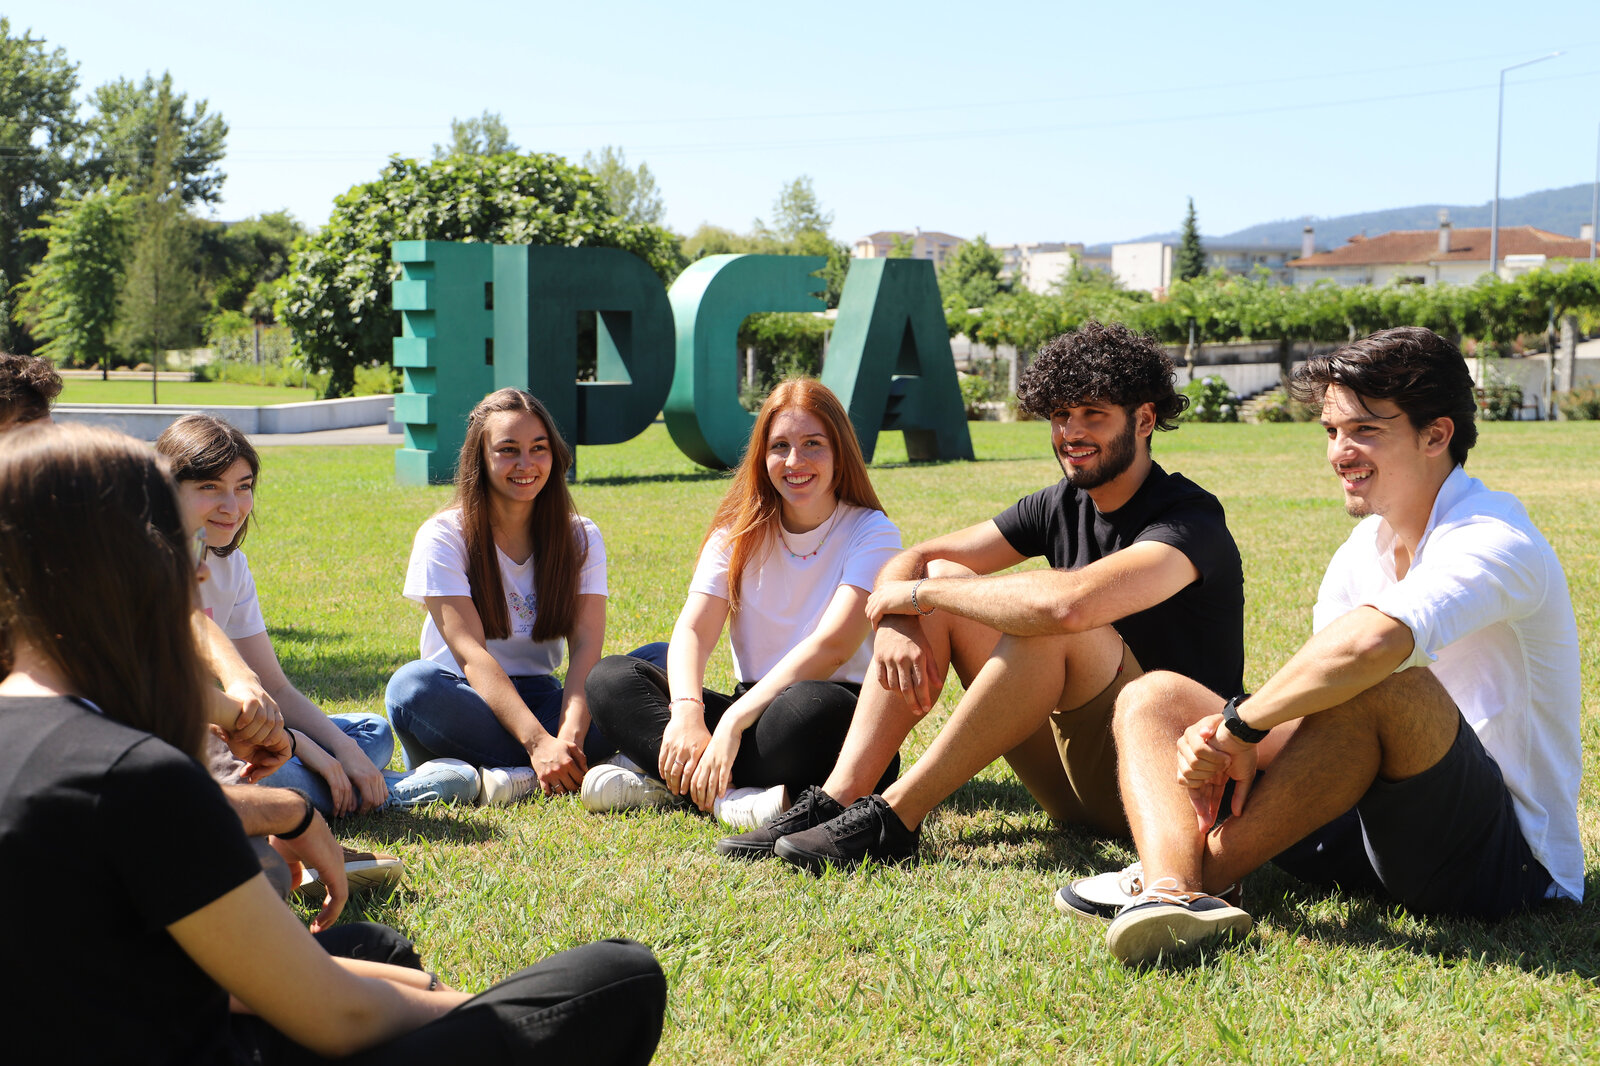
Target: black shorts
[{"x": 1446, "y": 841}]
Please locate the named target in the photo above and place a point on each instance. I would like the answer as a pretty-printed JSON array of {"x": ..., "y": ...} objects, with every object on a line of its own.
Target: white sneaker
[
  {"x": 750, "y": 808},
  {"x": 504, "y": 785},
  {"x": 609, "y": 786}
]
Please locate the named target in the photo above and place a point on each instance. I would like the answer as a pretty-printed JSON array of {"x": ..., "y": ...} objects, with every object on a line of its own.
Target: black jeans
[
  {"x": 597, "y": 1004},
  {"x": 794, "y": 743}
]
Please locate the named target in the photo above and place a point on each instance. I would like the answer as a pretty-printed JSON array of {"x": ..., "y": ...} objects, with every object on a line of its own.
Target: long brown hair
[
  {"x": 749, "y": 512},
  {"x": 557, "y": 557},
  {"x": 96, "y": 575},
  {"x": 203, "y": 447}
]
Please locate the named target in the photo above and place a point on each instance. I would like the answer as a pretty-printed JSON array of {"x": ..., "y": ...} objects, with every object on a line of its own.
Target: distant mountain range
[{"x": 1557, "y": 210}]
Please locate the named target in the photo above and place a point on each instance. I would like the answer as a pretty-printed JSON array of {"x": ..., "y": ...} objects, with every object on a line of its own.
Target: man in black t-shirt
[{"x": 1144, "y": 575}]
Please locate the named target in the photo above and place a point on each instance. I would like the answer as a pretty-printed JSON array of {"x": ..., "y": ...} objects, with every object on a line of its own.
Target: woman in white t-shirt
[
  {"x": 339, "y": 759},
  {"x": 786, "y": 566},
  {"x": 510, "y": 574}
]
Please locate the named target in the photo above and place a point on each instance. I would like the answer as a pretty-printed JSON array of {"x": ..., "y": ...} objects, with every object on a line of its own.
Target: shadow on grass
[
  {"x": 1558, "y": 937},
  {"x": 436, "y": 823},
  {"x": 322, "y": 664},
  {"x": 998, "y": 823},
  {"x": 650, "y": 479}
]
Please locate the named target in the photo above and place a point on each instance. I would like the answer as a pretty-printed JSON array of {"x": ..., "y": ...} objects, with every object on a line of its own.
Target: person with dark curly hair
[
  {"x": 1425, "y": 744},
  {"x": 28, "y": 386},
  {"x": 1143, "y": 575}
]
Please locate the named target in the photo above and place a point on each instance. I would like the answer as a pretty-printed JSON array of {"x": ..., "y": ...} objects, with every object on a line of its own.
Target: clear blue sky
[{"x": 1021, "y": 120}]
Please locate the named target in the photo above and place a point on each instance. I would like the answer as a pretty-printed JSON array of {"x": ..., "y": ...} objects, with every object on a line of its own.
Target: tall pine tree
[{"x": 1191, "y": 255}]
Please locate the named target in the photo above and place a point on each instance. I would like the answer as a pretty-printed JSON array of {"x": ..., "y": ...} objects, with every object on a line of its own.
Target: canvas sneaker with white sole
[
  {"x": 1103, "y": 895},
  {"x": 750, "y": 808},
  {"x": 1165, "y": 923},
  {"x": 366, "y": 871},
  {"x": 620, "y": 784},
  {"x": 505, "y": 785}
]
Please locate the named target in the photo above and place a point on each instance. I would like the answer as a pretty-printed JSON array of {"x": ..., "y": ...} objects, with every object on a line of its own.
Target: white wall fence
[{"x": 146, "y": 421}]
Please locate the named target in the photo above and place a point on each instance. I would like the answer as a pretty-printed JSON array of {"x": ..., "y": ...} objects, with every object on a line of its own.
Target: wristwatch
[{"x": 1241, "y": 732}]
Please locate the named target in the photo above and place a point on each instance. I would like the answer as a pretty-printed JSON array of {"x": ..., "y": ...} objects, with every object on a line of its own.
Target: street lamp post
[
  {"x": 1499, "y": 125},
  {"x": 1594, "y": 206}
]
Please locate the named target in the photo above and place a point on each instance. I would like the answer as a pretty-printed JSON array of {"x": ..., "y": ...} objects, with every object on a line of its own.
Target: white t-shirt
[
  {"x": 228, "y": 595},
  {"x": 782, "y": 598},
  {"x": 438, "y": 567},
  {"x": 1487, "y": 604}
]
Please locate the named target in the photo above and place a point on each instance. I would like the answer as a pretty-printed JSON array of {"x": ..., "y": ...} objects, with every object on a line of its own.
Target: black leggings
[
  {"x": 597, "y": 1004},
  {"x": 794, "y": 743}
]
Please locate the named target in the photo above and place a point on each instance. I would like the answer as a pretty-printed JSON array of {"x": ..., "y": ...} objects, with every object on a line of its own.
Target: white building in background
[
  {"x": 1039, "y": 265},
  {"x": 1431, "y": 257},
  {"x": 1148, "y": 266}
]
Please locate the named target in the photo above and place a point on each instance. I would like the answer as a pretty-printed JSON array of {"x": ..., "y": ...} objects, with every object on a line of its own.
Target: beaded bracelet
[{"x": 687, "y": 699}]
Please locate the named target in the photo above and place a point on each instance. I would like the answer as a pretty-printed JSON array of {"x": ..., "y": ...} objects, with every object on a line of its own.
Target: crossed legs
[{"x": 1317, "y": 769}]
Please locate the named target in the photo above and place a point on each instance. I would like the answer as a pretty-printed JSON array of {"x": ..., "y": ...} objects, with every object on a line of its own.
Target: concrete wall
[
  {"x": 1531, "y": 374},
  {"x": 146, "y": 421}
]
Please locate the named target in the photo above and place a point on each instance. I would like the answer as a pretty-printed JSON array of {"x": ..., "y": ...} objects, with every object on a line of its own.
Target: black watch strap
[{"x": 1236, "y": 725}]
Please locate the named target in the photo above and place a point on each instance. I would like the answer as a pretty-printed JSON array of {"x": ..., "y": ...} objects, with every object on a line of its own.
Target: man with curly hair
[
  {"x": 28, "y": 386},
  {"x": 1425, "y": 744},
  {"x": 1143, "y": 575}
]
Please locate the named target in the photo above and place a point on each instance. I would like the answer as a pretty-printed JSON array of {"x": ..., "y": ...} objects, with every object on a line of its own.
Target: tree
[
  {"x": 69, "y": 299},
  {"x": 902, "y": 246},
  {"x": 1191, "y": 262},
  {"x": 483, "y": 136},
  {"x": 797, "y": 214},
  {"x": 337, "y": 297},
  {"x": 129, "y": 117},
  {"x": 971, "y": 276},
  {"x": 241, "y": 260},
  {"x": 38, "y": 128},
  {"x": 632, "y": 193},
  {"x": 160, "y": 304}
]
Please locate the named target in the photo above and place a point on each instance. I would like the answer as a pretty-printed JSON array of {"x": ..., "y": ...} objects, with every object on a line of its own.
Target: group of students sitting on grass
[{"x": 1423, "y": 744}]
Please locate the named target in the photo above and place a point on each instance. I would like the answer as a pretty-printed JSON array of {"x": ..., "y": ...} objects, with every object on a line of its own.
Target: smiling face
[
  {"x": 1385, "y": 464},
  {"x": 516, "y": 455},
  {"x": 800, "y": 466},
  {"x": 220, "y": 505},
  {"x": 1094, "y": 443}
]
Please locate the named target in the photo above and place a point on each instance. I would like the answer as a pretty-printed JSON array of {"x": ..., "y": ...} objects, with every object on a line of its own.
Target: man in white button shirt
[{"x": 1424, "y": 742}]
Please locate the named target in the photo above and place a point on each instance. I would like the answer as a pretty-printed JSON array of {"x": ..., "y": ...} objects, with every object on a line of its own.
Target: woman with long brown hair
[
  {"x": 510, "y": 574},
  {"x": 786, "y": 567},
  {"x": 165, "y": 918}
]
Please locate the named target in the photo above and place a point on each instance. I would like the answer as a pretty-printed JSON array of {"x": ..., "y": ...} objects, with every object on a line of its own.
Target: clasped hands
[
  {"x": 1208, "y": 758},
  {"x": 696, "y": 761}
]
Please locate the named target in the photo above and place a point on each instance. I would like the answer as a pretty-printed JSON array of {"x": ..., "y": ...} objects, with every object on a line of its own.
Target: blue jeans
[
  {"x": 371, "y": 734},
  {"x": 436, "y": 714}
]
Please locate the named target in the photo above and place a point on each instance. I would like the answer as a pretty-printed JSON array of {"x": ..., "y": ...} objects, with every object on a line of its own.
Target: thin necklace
[{"x": 825, "y": 534}]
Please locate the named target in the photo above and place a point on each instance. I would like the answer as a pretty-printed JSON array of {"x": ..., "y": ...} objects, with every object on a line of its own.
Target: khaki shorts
[{"x": 1089, "y": 794}]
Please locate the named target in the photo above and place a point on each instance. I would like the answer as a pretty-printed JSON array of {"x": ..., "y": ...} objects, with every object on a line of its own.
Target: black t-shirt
[
  {"x": 107, "y": 836},
  {"x": 1199, "y": 632}
]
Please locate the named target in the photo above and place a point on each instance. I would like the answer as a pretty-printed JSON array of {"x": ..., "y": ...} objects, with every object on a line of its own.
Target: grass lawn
[
  {"x": 962, "y": 959},
  {"x": 205, "y": 393}
]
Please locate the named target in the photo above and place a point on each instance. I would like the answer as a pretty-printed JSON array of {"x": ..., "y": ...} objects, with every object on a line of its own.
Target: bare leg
[
  {"x": 883, "y": 719},
  {"x": 1004, "y": 710},
  {"x": 1394, "y": 730}
]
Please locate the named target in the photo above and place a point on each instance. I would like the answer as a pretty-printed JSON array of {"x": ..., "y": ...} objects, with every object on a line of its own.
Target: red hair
[{"x": 749, "y": 511}]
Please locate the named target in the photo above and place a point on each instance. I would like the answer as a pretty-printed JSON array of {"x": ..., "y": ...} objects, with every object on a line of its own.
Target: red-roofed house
[{"x": 1428, "y": 257}]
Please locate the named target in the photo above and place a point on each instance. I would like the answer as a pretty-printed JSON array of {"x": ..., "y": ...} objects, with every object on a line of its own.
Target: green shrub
[
  {"x": 1275, "y": 405},
  {"x": 1580, "y": 405},
  {"x": 1210, "y": 400},
  {"x": 1498, "y": 398}
]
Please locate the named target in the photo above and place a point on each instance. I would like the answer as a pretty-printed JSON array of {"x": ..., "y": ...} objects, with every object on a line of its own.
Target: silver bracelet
[{"x": 915, "y": 606}]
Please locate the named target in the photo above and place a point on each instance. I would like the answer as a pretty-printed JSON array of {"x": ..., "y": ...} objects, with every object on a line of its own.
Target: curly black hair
[
  {"x": 28, "y": 386},
  {"x": 1102, "y": 362}
]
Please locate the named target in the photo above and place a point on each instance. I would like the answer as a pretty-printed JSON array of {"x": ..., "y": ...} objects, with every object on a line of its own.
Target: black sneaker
[
  {"x": 814, "y": 808},
  {"x": 1166, "y": 923},
  {"x": 868, "y": 829}
]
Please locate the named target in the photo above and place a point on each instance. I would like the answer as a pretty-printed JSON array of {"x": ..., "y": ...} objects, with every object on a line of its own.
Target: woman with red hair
[{"x": 786, "y": 567}]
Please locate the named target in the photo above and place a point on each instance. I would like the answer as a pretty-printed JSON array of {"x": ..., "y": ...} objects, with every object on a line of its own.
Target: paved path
[{"x": 355, "y": 435}]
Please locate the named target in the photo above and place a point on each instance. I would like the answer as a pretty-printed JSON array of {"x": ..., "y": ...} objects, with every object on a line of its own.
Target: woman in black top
[{"x": 158, "y": 938}]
